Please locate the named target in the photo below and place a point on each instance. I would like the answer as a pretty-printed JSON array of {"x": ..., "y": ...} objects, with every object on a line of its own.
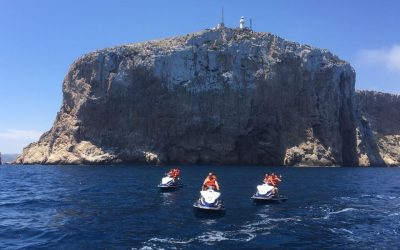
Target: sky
[{"x": 40, "y": 39}]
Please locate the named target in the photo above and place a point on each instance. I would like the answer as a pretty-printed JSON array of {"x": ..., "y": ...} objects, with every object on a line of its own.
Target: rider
[
  {"x": 211, "y": 182},
  {"x": 174, "y": 173},
  {"x": 273, "y": 180},
  {"x": 276, "y": 180}
]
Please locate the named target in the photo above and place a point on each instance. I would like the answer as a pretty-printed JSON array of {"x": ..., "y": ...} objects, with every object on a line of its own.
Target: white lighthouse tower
[{"x": 241, "y": 23}]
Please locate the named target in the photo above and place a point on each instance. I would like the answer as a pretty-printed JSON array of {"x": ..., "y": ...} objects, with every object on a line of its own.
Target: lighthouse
[{"x": 241, "y": 23}]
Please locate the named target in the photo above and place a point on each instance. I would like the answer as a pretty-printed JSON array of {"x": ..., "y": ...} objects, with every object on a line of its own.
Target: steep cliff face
[
  {"x": 378, "y": 130},
  {"x": 218, "y": 96}
]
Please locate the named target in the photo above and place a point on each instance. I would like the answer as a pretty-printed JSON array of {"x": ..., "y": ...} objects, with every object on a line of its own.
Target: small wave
[
  {"x": 267, "y": 224},
  {"x": 208, "y": 238},
  {"x": 336, "y": 230},
  {"x": 339, "y": 211},
  {"x": 250, "y": 232},
  {"x": 261, "y": 229},
  {"x": 170, "y": 240},
  {"x": 285, "y": 219},
  {"x": 343, "y": 210},
  {"x": 346, "y": 230},
  {"x": 349, "y": 199},
  {"x": 242, "y": 235},
  {"x": 209, "y": 222},
  {"x": 379, "y": 196},
  {"x": 267, "y": 218},
  {"x": 212, "y": 237},
  {"x": 346, "y": 198},
  {"x": 145, "y": 248}
]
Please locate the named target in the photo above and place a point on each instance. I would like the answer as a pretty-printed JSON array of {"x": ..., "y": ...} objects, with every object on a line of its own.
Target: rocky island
[{"x": 219, "y": 96}]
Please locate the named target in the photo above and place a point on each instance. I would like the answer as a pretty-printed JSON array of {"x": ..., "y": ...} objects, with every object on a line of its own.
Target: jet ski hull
[
  {"x": 197, "y": 205},
  {"x": 269, "y": 199},
  {"x": 202, "y": 204},
  {"x": 167, "y": 187}
]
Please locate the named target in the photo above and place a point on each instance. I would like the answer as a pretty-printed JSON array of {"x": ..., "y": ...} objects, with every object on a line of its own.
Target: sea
[{"x": 120, "y": 207}]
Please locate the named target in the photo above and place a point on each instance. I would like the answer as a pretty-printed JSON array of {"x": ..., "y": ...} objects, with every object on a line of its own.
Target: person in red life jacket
[
  {"x": 211, "y": 182},
  {"x": 174, "y": 173},
  {"x": 171, "y": 173},
  {"x": 268, "y": 179},
  {"x": 274, "y": 180}
]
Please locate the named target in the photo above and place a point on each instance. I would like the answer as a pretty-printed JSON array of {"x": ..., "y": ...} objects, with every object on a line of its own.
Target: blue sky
[{"x": 40, "y": 39}]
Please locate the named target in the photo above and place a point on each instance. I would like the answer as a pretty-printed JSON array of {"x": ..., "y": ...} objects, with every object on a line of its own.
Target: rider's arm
[
  {"x": 205, "y": 180},
  {"x": 216, "y": 185}
]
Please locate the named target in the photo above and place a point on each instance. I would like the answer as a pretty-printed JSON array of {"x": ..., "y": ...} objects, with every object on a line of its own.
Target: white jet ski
[
  {"x": 168, "y": 182},
  {"x": 209, "y": 201},
  {"x": 264, "y": 194}
]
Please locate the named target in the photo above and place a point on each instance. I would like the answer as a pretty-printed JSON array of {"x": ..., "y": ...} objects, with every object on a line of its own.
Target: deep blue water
[{"x": 108, "y": 207}]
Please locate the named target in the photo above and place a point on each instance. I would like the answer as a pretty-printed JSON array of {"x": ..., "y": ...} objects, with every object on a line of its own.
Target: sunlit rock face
[{"x": 222, "y": 96}]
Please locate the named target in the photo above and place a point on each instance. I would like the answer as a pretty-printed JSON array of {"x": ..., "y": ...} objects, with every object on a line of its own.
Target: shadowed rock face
[
  {"x": 218, "y": 96},
  {"x": 378, "y": 131}
]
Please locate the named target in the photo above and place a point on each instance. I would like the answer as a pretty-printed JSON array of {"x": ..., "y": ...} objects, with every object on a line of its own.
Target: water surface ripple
[{"x": 98, "y": 207}]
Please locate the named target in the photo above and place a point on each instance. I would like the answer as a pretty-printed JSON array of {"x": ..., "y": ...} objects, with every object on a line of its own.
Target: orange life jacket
[
  {"x": 270, "y": 180},
  {"x": 275, "y": 180},
  {"x": 211, "y": 183},
  {"x": 174, "y": 173}
]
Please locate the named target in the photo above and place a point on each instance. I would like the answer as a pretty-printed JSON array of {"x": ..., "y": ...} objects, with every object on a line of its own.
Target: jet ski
[
  {"x": 264, "y": 195},
  {"x": 169, "y": 183},
  {"x": 209, "y": 201}
]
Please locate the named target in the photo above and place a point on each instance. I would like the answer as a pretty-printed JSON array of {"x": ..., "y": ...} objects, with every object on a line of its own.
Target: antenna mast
[
  {"x": 251, "y": 24},
  {"x": 222, "y": 17}
]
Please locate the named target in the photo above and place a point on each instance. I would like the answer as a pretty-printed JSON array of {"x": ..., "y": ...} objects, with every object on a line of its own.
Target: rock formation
[
  {"x": 221, "y": 96},
  {"x": 378, "y": 131}
]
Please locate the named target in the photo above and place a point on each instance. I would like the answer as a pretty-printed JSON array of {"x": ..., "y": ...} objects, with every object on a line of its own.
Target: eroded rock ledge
[{"x": 221, "y": 96}]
